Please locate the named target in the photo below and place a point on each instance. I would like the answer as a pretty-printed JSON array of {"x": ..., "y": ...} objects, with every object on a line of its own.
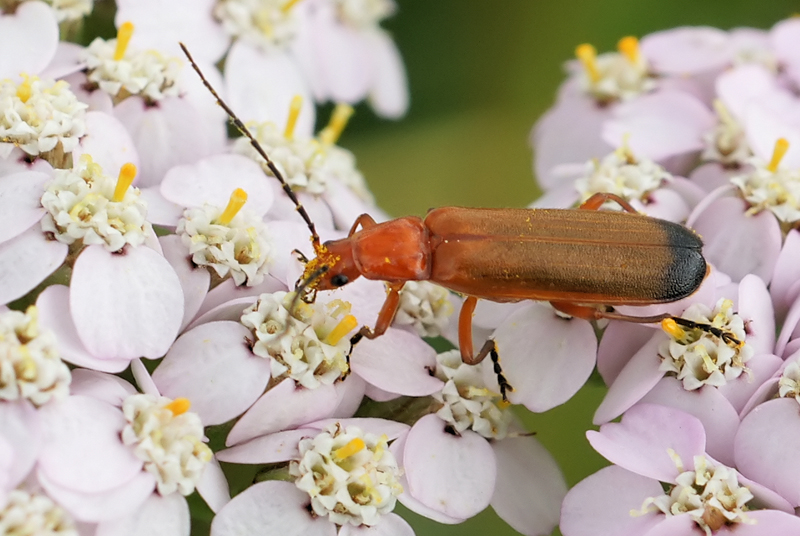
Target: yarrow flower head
[
  {"x": 614, "y": 76},
  {"x": 30, "y": 365},
  {"x": 623, "y": 174},
  {"x": 34, "y": 514},
  {"x": 700, "y": 356},
  {"x": 305, "y": 342},
  {"x": 351, "y": 476},
  {"x": 169, "y": 439},
  {"x": 231, "y": 241},
  {"x": 770, "y": 187},
  {"x": 363, "y": 14},
  {"x": 41, "y": 117},
  {"x": 726, "y": 143},
  {"x": 789, "y": 382},
  {"x": 710, "y": 494},
  {"x": 425, "y": 306},
  {"x": 466, "y": 401},
  {"x": 85, "y": 204},
  {"x": 122, "y": 72},
  {"x": 266, "y": 24}
]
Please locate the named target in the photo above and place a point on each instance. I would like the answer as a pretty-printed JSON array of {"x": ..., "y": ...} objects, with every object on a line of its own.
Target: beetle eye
[{"x": 339, "y": 280}]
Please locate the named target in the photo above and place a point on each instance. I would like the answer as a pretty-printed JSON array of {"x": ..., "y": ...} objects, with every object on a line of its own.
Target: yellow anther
[
  {"x": 24, "y": 90},
  {"x": 353, "y": 447},
  {"x": 126, "y": 175},
  {"x": 781, "y": 146},
  {"x": 345, "y": 326},
  {"x": 26, "y": 368},
  {"x": 237, "y": 201},
  {"x": 179, "y": 406},
  {"x": 124, "y": 35},
  {"x": 289, "y": 5},
  {"x": 629, "y": 47},
  {"x": 31, "y": 329},
  {"x": 672, "y": 328},
  {"x": 339, "y": 118},
  {"x": 294, "y": 113},
  {"x": 587, "y": 54}
]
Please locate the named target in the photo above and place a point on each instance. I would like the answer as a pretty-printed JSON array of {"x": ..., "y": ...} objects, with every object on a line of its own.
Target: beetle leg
[
  {"x": 489, "y": 347},
  {"x": 365, "y": 221},
  {"x": 598, "y": 199},
  {"x": 385, "y": 317}
]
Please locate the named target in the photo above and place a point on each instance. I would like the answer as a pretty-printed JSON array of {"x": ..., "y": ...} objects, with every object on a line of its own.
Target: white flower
[{"x": 34, "y": 514}]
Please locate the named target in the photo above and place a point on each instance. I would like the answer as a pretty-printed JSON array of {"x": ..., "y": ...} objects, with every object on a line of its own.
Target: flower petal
[
  {"x": 26, "y": 260},
  {"x": 158, "y": 516}
]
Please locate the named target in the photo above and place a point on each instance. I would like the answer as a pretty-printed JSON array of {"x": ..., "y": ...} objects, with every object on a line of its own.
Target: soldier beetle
[{"x": 580, "y": 260}]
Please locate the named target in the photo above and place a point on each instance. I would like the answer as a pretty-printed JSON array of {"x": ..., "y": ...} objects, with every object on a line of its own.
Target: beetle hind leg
[{"x": 489, "y": 347}]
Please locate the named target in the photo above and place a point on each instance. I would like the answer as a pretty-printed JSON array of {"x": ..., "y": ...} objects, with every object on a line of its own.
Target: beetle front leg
[
  {"x": 385, "y": 317},
  {"x": 365, "y": 221},
  {"x": 489, "y": 347}
]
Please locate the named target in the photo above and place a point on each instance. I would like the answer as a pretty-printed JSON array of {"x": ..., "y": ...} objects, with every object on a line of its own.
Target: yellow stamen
[
  {"x": 781, "y": 146},
  {"x": 179, "y": 406},
  {"x": 31, "y": 329},
  {"x": 342, "y": 328},
  {"x": 341, "y": 114},
  {"x": 289, "y": 5},
  {"x": 294, "y": 113},
  {"x": 124, "y": 35},
  {"x": 237, "y": 201},
  {"x": 24, "y": 90},
  {"x": 124, "y": 181},
  {"x": 629, "y": 47},
  {"x": 587, "y": 54},
  {"x": 673, "y": 329},
  {"x": 353, "y": 447}
]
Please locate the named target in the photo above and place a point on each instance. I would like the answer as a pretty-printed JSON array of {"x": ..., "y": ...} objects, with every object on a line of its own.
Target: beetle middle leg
[
  {"x": 489, "y": 347},
  {"x": 600, "y": 198}
]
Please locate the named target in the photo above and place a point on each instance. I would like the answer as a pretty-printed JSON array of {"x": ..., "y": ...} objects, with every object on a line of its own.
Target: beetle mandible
[{"x": 577, "y": 259}]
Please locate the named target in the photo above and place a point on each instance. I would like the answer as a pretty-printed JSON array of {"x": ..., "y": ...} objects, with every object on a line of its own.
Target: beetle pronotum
[{"x": 577, "y": 259}]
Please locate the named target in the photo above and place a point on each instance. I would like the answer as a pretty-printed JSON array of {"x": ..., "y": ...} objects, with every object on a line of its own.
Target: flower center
[
  {"x": 34, "y": 514},
  {"x": 614, "y": 76},
  {"x": 699, "y": 357},
  {"x": 169, "y": 439},
  {"x": 727, "y": 143},
  {"x": 621, "y": 173},
  {"x": 351, "y": 476},
  {"x": 307, "y": 344},
  {"x": 426, "y": 307},
  {"x": 364, "y": 14},
  {"x": 85, "y": 204},
  {"x": 267, "y": 24},
  {"x": 30, "y": 365},
  {"x": 466, "y": 401}
]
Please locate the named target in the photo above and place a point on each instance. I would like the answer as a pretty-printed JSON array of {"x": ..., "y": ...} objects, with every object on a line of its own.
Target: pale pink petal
[
  {"x": 389, "y": 525},
  {"x": 251, "y": 73},
  {"x": 388, "y": 95},
  {"x": 213, "y": 487},
  {"x": 764, "y": 126},
  {"x": 764, "y": 522},
  {"x": 316, "y": 207},
  {"x": 82, "y": 448},
  {"x": 270, "y": 508},
  {"x": 26, "y": 260},
  {"x": 679, "y": 525},
  {"x": 298, "y": 407},
  {"x": 452, "y": 474},
  {"x": 712, "y": 175},
  {"x": 20, "y": 205},
  {"x": 23, "y": 430},
  {"x": 213, "y": 179},
  {"x": 54, "y": 314},
  {"x": 620, "y": 341},
  {"x": 350, "y": 394},
  {"x": 67, "y": 60},
  {"x": 601, "y": 504},
  {"x": 659, "y": 125},
  {"x": 546, "y": 358},
  {"x": 158, "y": 516},
  {"x": 530, "y": 485},
  {"x": 272, "y": 448},
  {"x": 125, "y": 305},
  {"x": 230, "y": 311},
  {"x": 106, "y": 505},
  {"x": 666, "y": 205},
  {"x": 720, "y": 419},
  {"x": 194, "y": 280},
  {"x": 159, "y": 210},
  {"x": 739, "y": 86},
  {"x": 33, "y": 30},
  {"x": 738, "y": 243},
  {"x": 687, "y": 49},
  {"x": 755, "y": 307},
  {"x": 784, "y": 289},
  {"x": 213, "y": 367},
  {"x": 759, "y": 370},
  {"x": 641, "y": 442},
  {"x": 143, "y": 379},
  {"x": 391, "y": 429},
  {"x": 379, "y": 395},
  {"x": 106, "y": 387},
  {"x": 398, "y": 362},
  {"x": 108, "y": 143}
]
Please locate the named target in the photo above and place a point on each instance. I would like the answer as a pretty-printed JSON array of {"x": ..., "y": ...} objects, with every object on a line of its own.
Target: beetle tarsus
[{"x": 490, "y": 347}]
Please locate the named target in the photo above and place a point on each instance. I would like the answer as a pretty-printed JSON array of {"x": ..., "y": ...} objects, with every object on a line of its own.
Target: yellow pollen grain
[
  {"x": 339, "y": 118},
  {"x": 353, "y": 447},
  {"x": 289, "y": 5},
  {"x": 237, "y": 201},
  {"x": 24, "y": 90},
  {"x": 629, "y": 47},
  {"x": 345, "y": 326},
  {"x": 179, "y": 406},
  {"x": 781, "y": 146},
  {"x": 294, "y": 113},
  {"x": 126, "y": 175},
  {"x": 672, "y": 328},
  {"x": 124, "y": 35},
  {"x": 587, "y": 55}
]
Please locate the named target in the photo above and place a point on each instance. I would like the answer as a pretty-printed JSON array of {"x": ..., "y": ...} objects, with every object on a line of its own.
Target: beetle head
[{"x": 333, "y": 267}]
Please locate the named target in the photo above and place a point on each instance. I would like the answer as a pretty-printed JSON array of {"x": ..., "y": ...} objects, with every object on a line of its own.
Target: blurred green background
[{"x": 481, "y": 73}]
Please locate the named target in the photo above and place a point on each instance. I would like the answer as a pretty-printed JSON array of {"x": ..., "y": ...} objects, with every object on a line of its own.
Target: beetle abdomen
[{"x": 582, "y": 256}]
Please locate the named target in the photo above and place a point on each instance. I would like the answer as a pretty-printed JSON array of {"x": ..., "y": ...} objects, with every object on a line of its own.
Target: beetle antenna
[{"x": 240, "y": 126}]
